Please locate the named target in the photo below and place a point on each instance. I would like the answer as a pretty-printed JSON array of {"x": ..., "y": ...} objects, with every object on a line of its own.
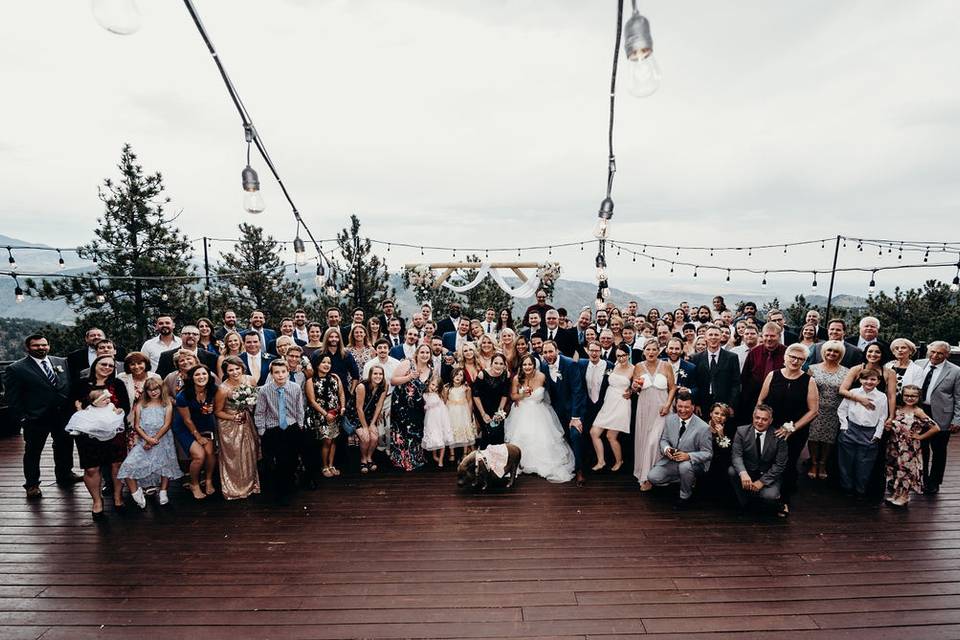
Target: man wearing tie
[
  {"x": 687, "y": 447},
  {"x": 717, "y": 373},
  {"x": 606, "y": 346},
  {"x": 394, "y": 335},
  {"x": 869, "y": 334},
  {"x": 759, "y": 459},
  {"x": 940, "y": 399},
  {"x": 257, "y": 321},
  {"x": 490, "y": 321},
  {"x": 583, "y": 322},
  {"x": 38, "y": 390},
  {"x": 565, "y": 338}
]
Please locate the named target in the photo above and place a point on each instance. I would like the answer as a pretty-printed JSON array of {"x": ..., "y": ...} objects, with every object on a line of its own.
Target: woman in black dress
[
  {"x": 722, "y": 430},
  {"x": 793, "y": 395},
  {"x": 96, "y": 453},
  {"x": 364, "y": 412},
  {"x": 491, "y": 390}
]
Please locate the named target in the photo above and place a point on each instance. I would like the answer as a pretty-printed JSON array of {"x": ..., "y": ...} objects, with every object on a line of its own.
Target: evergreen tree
[
  {"x": 261, "y": 278},
  {"x": 360, "y": 281},
  {"x": 923, "y": 315},
  {"x": 133, "y": 239}
]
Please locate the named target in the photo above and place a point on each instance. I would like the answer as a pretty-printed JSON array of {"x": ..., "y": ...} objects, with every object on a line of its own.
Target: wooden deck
[{"x": 408, "y": 556}]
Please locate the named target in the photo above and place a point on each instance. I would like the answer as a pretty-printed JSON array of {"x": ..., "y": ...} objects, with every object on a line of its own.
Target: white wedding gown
[{"x": 534, "y": 427}]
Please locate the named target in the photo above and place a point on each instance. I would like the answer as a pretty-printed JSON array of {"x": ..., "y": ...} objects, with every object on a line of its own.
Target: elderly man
[
  {"x": 606, "y": 346},
  {"x": 566, "y": 339},
  {"x": 940, "y": 399},
  {"x": 869, "y": 334},
  {"x": 758, "y": 458},
  {"x": 813, "y": 317},
  {"x": 836, "y": 329},
  {"x": 761, "y": 360}
]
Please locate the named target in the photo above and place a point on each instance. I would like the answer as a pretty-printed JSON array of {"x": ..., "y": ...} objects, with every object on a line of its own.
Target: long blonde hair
[{"x": 154, "y": 383}]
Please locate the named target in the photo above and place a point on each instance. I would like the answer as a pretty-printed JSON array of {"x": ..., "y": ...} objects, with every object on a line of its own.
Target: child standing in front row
[
  {"x": 860, "y": 431},
  {"x": 437, "y": 433},
  {"x": 910, "y": 427},
  {"x": 153, "y": 458},
  {"x": 459, "y": 401}
]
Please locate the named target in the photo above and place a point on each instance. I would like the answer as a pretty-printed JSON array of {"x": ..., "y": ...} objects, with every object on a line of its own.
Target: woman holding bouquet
[{"x": 239, "y": 444}]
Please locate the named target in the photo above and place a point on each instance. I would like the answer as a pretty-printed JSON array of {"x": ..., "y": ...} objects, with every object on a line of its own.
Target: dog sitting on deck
[{"x": 495, "y": 466}]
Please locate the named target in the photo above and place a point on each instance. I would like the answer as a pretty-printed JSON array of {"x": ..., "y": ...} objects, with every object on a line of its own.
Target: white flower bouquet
[{"x": 245, "y": 396}]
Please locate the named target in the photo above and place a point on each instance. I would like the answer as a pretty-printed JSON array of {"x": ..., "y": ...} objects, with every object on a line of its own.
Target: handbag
[{"x": 347, "y": 425}]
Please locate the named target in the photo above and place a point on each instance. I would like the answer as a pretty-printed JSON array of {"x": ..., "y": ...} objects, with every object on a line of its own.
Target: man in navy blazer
[
  {"x": 257, "y": 326},
  {"x": 565, "y": 385},
  {"x": 685, "y": 373},
  {"x": 453, "y": 339},
  {"x": 256, "y": 362},
  {"x": 407, "y": 349}
]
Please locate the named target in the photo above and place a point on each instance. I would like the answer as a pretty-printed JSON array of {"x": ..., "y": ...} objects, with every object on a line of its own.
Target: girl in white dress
[
  {"x": 654, "y": 380},
  {"x": 534, "y": 427},
  {"x": 614, "y": 415},
  {"x": 459, "y": 402},
  {"x": 437, "y": 433}
]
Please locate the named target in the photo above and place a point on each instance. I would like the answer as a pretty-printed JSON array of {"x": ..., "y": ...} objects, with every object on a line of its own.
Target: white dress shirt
[
  {"x": 852, "y": 411},
  {"x": 91, "y": 355},
  {"x": 763, "y": 440},
  {"x": 595, "y": 379},
  {"x": 153, "y": 347},
  {"x": 554, "y": 370},
  {"x": 301, "y": 334},
  {"x": 489, "y": 327}
]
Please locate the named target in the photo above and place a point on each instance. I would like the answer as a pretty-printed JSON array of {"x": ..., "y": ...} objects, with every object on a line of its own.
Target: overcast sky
[{"x": 484, "y": 123}]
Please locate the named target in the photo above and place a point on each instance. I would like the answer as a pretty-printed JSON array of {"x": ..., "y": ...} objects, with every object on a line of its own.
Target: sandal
[
  {"x": 616, "y": 467},
  {"x": 822, "y": 475},
  {"x": 372, "y": 466},
  {"x": 599, "y": 466},
  {"x": 327, "y": 473},
  {"x": 335, "y": 471},
  {"x": 364, "y": 468}
]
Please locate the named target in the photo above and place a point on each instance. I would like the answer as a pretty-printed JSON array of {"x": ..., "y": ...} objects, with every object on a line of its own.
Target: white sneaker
[
  {"x": 163, "y": 497},
  {"x": 139, "y": 498}
]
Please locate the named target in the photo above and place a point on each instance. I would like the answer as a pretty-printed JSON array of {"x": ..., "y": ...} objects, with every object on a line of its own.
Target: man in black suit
[
  {"x": 38, "y": 391},
  {"x": 441, "y": 359},
  {"x": 813, "y": 317},
  {"x": 451, "y": 322},
  {"x": 869, "y": 334},
  {"x": 566, "y": 339},
  {"x": 717, "y": 374},
  {"x": 83, "y": 357},
  {"x": 606, "y": 346},
  {"x": 189, "y": 341},
  {"x": 229, "y": 324},
  {"x": 287, "y": 327},
  {"x": 389, "y": 314},
  {"x": 759, "y": 459},
  {"x": 787, "y": 334},
  {"x": 533, "y": 327}
]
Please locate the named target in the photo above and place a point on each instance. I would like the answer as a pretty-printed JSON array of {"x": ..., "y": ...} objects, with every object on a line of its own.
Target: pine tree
[
  {"x": 133, "y": 239},
  {"x": 360, "y": 281},
  {"x": 260, "y": 280}
]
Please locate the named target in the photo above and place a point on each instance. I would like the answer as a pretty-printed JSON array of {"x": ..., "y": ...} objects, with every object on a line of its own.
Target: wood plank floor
[{"x": 396, "y": 556}]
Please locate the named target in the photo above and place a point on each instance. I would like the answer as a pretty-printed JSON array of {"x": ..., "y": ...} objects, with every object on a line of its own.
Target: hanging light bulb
[
  {"x": 299, "y": 250},
  {"x": 695, "y": 271},
  {"x": 638, "y": 47},
  {"x": 813, "y": 287},
  {"x": 101, "y": 298},
  {"x": 318, "y": 279},
  {"x": 206, "y": 292},
  {"x": 602, "y": 229},
  {"x": 955, "y": 285},
  {"x": 331, "y": 288},
  {"x": 17, "y": 291},
  {"x": 728, "y": 275},
  {"x": 763, "y": 285},
  {"x": 11, "y": 259},
  {"x": 599, "y": 301},
  {"x": 926, "y": 255},
  {"x": 120, "y": 17},
  {"x": 601, "y": 261},
  {"x": 604, "y": 289},
  {"x": 872, "y": 287},
  {"x": 601, "y": 274},
  {"x": 671, "y": 269},
  {"x": 63, "y": 265},
  {"x": 164, "y": 296},
  {"x": 252, "y": 199}
]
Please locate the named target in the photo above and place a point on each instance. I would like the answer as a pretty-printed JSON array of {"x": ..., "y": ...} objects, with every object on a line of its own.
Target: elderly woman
[
  {"x": 96, "y": 453},
  {"x": 906, "y": 370},
  {"x": 136, "y": 371},
  {"x": 828, "y": 375},
  {"x": 793, "y": 395},
  {"x": 183, "y": 360}
]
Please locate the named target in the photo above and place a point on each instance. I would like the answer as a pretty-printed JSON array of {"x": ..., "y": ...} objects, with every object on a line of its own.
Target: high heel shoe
[{"x": 599, "y": 466}]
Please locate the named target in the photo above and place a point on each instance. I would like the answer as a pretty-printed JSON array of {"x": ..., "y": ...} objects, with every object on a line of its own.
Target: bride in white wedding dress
[{"x": 534, "y": 427}]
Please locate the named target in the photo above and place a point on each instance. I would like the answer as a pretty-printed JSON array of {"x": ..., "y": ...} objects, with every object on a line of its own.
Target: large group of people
[{"x": 714, "y": 399}]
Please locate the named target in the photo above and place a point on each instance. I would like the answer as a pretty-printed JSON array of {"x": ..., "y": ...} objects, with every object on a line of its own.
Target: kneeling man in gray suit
[
  {"x": 759, "y": 459},
  {"x": 687, "y": 449}
]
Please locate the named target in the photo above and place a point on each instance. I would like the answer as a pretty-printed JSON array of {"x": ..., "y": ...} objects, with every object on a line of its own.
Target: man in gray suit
[
  {"x": 687, "y": 450},
  {"x": 940, "y": 398},
  {"x": 758, "y": 459}
]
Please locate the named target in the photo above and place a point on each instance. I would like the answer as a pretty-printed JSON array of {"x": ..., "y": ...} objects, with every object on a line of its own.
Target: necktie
[
  {"x": 713, "y": 362},
  {"x": 52, "y": 377},
  {"x": 683, "y": 429},
  {"x": 550, "y": 335},
  {"x": 925, "y": 389},
  {"x": 282, "y": 408},
  {"x": 580, "y": 337},
  {"x": 759, "y": 446}
]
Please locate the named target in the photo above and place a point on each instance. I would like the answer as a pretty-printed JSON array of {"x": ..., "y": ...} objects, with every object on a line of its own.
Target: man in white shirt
[
  {"x": 751, "y": 338},
  {"x": 407, "y": 350},
  {"x": 595, "y": 381},
  {"x": 163, "y": 341},
  {"x": 300, "y": 330},
  {"x": 860, "y": 431},
  {"x": 489, "y": 321}
]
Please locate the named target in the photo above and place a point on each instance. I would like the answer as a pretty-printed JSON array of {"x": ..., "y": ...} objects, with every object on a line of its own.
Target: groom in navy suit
[{"x": 565, "y": 384}]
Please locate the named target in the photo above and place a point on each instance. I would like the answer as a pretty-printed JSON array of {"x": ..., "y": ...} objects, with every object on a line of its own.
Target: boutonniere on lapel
[
  {"x": 681, "y": 374},
  {"x": 58, "y": 369},
  {"x": 559, "y": 375}
]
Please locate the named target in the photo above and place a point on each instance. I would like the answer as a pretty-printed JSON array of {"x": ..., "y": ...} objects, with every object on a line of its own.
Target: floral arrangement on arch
[
  {"x": 421, "y": 276},
  {"x": 549, "y": 273}
]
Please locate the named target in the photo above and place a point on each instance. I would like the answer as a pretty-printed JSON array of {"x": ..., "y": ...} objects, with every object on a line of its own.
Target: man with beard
[
  {"x": 163, "y": 341},
  {"x": 451, "y": 322}
]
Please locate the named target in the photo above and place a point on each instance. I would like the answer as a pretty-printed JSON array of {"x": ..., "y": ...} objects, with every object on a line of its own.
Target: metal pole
[
  {"x": 206, "y": 272},
  {"x": 833, "y": 275}
]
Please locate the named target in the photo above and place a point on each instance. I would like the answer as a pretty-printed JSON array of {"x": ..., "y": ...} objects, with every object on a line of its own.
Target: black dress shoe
[
  {"x": 34, "y": 493},
  {"x": 98, "y": 516},
  {"x": 682, "y": 504},
  {"x": 69, "y": 480},
  {"x": 932, "y": 490}
]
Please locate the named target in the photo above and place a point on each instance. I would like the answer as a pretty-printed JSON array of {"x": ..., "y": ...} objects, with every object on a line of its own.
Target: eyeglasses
[
  {"x": 911, "y": 395},
  {"x": 793, "y": 357}
]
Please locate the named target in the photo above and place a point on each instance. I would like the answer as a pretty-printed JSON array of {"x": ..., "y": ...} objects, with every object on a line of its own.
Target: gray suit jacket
[
  {"x": 768, "y": 466},
  {"x": 945, "y": 395},
  {"x": 852, "y": 356},
  {"x": 696, "y": 440}
]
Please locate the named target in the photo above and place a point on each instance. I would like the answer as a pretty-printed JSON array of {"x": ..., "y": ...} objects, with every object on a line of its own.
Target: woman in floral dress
[
  {"x": 910, "y": 427},
  {"x": 828, "y": 375},
  {"x": 325, "y": 409},
  {"x": 407, "y": 409}
]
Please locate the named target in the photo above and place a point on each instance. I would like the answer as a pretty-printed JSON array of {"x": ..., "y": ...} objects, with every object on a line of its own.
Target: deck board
[{"x": 397, "y": 556}]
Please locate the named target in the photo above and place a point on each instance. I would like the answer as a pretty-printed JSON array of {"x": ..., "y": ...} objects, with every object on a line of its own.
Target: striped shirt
[{"x": 267, "y": 412}]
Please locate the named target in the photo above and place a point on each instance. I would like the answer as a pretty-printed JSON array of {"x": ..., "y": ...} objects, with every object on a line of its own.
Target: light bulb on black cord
[
  {"x": 926, "y": 255},
  {"x": 318, "y": 279},
  {"x": 872, "y": 287},
  {"x": 602, "y": 229},
  {"x": 11, "y": 259},
  {"x": 164, "y": 296},
  {"x": 638, "y": 47},
  {"x": 604, "y": 289},
  {"x": 763, "y": 284},
  {"x": 331, "y": 288},
  {"x": 955, "y": 285},
  {"x": 728, "y": 276},
  {"x": 60, "y": 261},
  {"x": 813, "y": 287},
  {"x": 299, "y": 250},
  {"x": 17, "y": 291},
  {"x": 252, "y": 199},
  {"x": 601, "y": 274}
]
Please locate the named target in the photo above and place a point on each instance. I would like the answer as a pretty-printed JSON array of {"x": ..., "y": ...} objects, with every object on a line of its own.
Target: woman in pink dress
[{"x": 654, "y": 380}]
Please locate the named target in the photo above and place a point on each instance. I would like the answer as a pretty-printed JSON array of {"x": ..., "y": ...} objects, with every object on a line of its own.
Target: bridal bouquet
[
  {"x": 245, "y": 396},
  {"x": 498, "y": 419},
  {"x": 723, "y": 442}
]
